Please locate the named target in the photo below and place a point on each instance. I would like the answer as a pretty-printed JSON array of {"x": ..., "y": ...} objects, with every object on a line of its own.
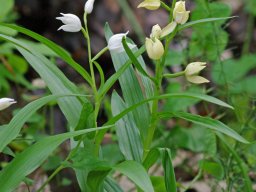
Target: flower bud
[
  {"x": 6, "y": 102},
  {"x": 115, "y": 43},
  {"x": 156, "y": 31},
  {"x": 150, "y": 4},
  {"x": 180, "y": 14},
  {"x": 72, "y": 23},
  {"x": 155, "y": 49},
  {"x": 192, "y": 70},
  {"x": 88, "y": 6}
]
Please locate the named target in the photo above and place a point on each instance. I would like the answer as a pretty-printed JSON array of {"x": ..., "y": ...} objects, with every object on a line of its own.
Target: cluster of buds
[
  {"x": 155, "y": 47},
  {"x": 153, "y": 44}
]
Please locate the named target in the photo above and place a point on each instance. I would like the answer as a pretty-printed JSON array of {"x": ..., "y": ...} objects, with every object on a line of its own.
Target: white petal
[
  {"x": 115, "y": 42},
  {"x": 6, "y": 102},
  {"x": 70, "y": 28},
  {"x": 89, "y": 6},
  {"x": 168, "y": 29},
  {"x": 197, "y": 79},
  {"x": 71, "y": 21}
]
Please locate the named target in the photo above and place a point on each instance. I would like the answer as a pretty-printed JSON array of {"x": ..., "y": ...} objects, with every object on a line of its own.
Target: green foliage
[
  {"x": 128, "y": 134},
  {"x": 138, "y": 110},
  {"x": 213, "y": 168},
  {"x": 6, "y": 7}
]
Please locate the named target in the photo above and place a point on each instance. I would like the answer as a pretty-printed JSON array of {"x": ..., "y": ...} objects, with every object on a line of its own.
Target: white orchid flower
[
  {"x": 192, "y": 70},
  {"x": 6, "y": 102},
  {"x": 155, "y": 48},
  {"x": 180, "y": 14},
  {"x": 115, "y": 43},
  {"x": 88, "y": 6},
  {"x": 71, "y": 21}
]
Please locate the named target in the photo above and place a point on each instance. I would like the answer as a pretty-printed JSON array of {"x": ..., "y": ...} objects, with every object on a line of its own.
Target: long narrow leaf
[
  {"x": 131, "y": 89},
  {"x": 111, "y": 186},
  {"x": 166, "y": 96},
  {"x": 57, "y": 83},
  {"x": 206, "y": 122},
  {"x": 12, "y": 130},
  {"x": 128, "y": 134},
  {"x": 137, "y": 173},
  {"x": 26, "y": 162},
  {"x": 134, "y": 59},
  {"x": 169, "y": 175},
  {"x": 202, "y": 21},
  {"x": 57, "y": 49}
]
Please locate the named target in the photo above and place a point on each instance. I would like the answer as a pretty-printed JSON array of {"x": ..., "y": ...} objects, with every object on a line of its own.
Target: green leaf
[
  {"x": 18, "y": 63},
  {"x": 128, "y": 134},
  {"x": 131, "y": 89},
  {"x": 206, "y": 9},
  {"x": 96, "y": 169},
  {"x": 27, "y": 161},
  {"x": 196, "y": 139},
  {"x": 181, "y": 104},
  {"x": 169, "y": 175},
  {"x": 158, "y": 183},
  {"x": 63, "y": 54},
  {"x": 5, "y": 8},
  {"x": 241, "y": 164},
  {"x": 12, "y": 130},
  {"x": 233, "y": 70},
  {"x": 86, "y": 118},
  {"x": 152, "y": 156},
  {"x": 7, "y": 31},
  {"x": 54, "y": 78},
  {"x": 111, "y": 186},
  {"x": 202, "y": 21},
  {"x": 137, "y": 173},
  {"x": 39, "y": 47},
  {"x": 206, "y": 122},
  {"x": 166, "y": 96},
  {"x": 111, "y": 80},
  {"x": 213, "y": 168},
  {"x": 134, "y": 59}
]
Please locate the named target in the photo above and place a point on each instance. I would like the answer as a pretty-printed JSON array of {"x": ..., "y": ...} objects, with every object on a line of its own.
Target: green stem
[
  {"x": 240, "y": 163},
  {"x": 174, "y": 75},
  {"x": 154, "y": 119},
  {"x": 171, "y": 11},
  {"x": 165, "y": 6},
  {"x": 158, "y": 85},
  {"x": 196, "y": 178},
  {"x": 94, "y": 88},
  {"x": 51, "y": 177},
  {"x": 249, "y": 32},
  {"x": 100, "y": 53},
  {"x": 86, "y": 35}
]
